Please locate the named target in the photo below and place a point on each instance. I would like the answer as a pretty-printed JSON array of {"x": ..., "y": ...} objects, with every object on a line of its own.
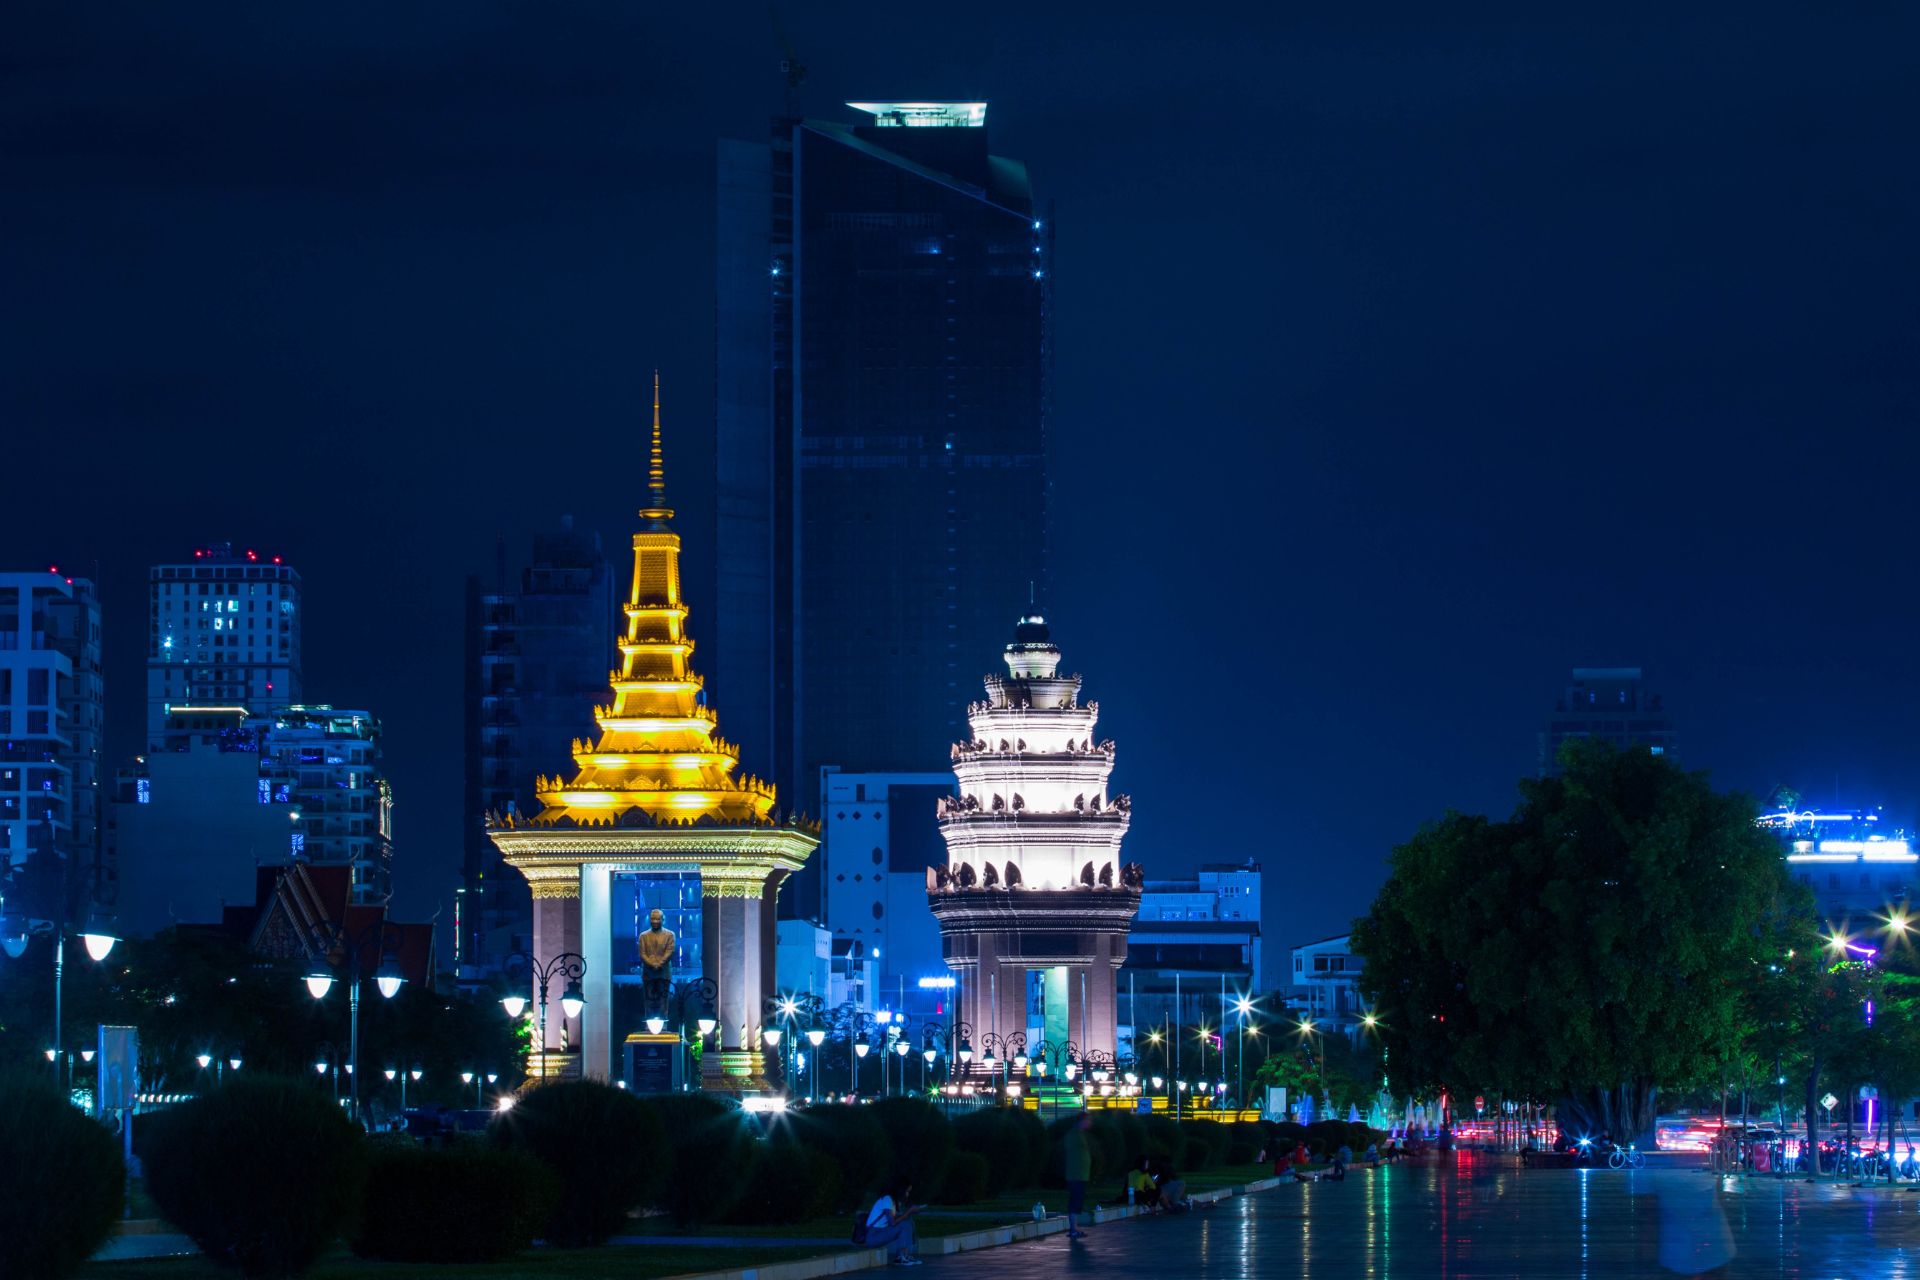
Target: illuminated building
[
  {"x": 1857, "y": 864},
  {"x": 883, "y": 370},
  {"x": 1606, "y": 704},
  {"x": 878, "y": 834},
  {"x": 538, "y": 649},
  {"x": 51, "y": 718},
  {"x": 223, "y": 629},
  {"x": 1034, "y": 903},
  {"x": 1194, "y": 949},
  {"x": 324, "y": 765},
  {"x": 1326, "y": 983},
  {"x": 654, "y": 816}
]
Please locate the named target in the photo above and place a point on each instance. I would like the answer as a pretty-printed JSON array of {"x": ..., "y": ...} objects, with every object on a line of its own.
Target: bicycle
[{"x": 1626, "y": 1158}]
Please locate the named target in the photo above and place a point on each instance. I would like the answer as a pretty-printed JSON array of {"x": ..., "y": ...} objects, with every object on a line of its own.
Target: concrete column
[
  {"x": 595, "y": 916},
  {"x": 556, "y": 929},
  {"x": 728, "y": 949}
]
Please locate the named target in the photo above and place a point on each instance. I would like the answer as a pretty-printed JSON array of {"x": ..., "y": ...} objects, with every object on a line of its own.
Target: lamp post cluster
[
  {"x": 571, "y": 966},
  {"x": 97, "y": 934},
  {"x": 336, "y": 945}
]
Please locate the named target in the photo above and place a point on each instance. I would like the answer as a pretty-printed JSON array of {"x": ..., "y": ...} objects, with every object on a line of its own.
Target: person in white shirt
[{"x": 890, "y": 1224}]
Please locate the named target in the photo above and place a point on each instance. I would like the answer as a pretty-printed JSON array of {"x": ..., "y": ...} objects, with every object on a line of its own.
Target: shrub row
[{"x": 265, "y": 1175}]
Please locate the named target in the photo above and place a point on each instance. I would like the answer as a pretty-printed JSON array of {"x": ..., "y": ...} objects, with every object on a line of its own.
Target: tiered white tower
[{"x": 1034, "y": 903}]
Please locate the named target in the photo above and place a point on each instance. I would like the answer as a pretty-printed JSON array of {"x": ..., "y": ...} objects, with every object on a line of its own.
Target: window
[{"x": 142, "y": 790}]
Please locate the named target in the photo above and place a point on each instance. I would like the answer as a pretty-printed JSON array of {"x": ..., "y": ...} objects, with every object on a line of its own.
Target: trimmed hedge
[
  {"x": 262, "y": 1173},
  {"x": 603, "y": 1147},
  {"x": 61, "y": 1181},
  {"x": 464, "y": 1203},
  {"x": 711, "y": 1150},
  {"x": 790, "y": 1182},
  {"x": 922, "y": 1143},
  {"x": 856, "y": 1143},
  {"x": 966, "y": 1180},
  {"x": 1001, "y": 1147}
]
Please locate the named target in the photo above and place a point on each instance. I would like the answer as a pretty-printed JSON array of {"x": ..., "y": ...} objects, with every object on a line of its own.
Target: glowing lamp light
[
  {"x": 572, "y": 1001},
  {"x": 986, "y": 1060},
  {"x": 1159, "y": 1081},
  {"x": 706, "y": 1026},
  {"x": 1183, "y": 1086},
  {"x": 966, "y": 1053},
  {"x": 233, "y": 1064},
  {"x": 466, "y": 1077},
  {"x": 416, "y": 1073},
  {"x": 99, "y": 941},
  {"x": 204, "y": 1059},
  {"x": 53, "y": 1056},
  {"x": 815, "y": 1036},
  {"x": 929, "y": 1055},
  {"x": 655, "y": 1025},
  {"x": 900, "y": 1047},
  {"x": 1040, "y": 1069},
  {"x": 861, "y": 1049},
  {"x": 389, "y": 984},
  {"x": 492, "y": 1076},
  {"x": 772, "y": 1036},
  {"x": 320, "y": 1066},
  {"x": 1243, "y": 1006},
  {"x": 514, "y": 1005},
  {"x": 86, "y": 1055},
  {"x": 390, "y": 1073},
  {"x": 505, "y": 1104},
  {"x": 318, "y": 984}
]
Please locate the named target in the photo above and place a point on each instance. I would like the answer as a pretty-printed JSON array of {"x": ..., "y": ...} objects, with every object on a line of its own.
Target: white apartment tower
[{"x": 223, "y": 630}]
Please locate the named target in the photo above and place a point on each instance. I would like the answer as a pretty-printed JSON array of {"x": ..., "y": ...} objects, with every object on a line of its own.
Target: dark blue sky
[{"x": 1408, "y": 356}]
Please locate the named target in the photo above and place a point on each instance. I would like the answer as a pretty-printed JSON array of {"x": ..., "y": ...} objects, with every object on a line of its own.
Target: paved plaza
[{"x": 1463, "y": 1223}]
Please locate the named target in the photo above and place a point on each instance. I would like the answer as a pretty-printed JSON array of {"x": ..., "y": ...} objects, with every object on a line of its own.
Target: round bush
[
  {"x": 262, "y": 1173},
  {"x": 1289, "y": 1132},
  {"x": 1326, "y": 1136},
  {"x": 1164, "y": 1139},
  {"x": 1032, "y": 1134},
  {"x": 966, "y": 1180},
  {"x": 61, "y": 1181},
  {"x": 464, "y": 1203},
  {"x": 1195, "y": 1155},
  {"x": 922, "y": 1143},
  {"x": 856, "y": 1144},
  {"x": 711, "y": 1150},
  {"x": 790, "y": 1182},
  {"x": 603, "y": 1147}
]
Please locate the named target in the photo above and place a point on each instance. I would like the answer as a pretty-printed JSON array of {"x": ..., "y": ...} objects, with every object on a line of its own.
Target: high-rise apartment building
[
  {"x": 325, "y": 764},
  {"x": 537, "y": 652},
  {"x": 223, "y": 629},
  {"x": 883, "y": 363},
  {"x": 1606, "y": 704},
  {"x": 51, "y": 720}
]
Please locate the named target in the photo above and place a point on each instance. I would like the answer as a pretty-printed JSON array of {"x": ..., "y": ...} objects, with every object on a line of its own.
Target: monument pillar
[{"x": 596, "y": 929}]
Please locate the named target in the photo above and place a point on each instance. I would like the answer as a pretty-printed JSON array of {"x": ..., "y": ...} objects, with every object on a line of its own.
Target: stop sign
[{"x": 1479, "y": 1103}]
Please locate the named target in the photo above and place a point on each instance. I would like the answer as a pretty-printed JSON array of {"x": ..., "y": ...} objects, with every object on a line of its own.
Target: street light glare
[
  {"x": 514, "y": 1005},
  {"x": 318, "y": 984}
]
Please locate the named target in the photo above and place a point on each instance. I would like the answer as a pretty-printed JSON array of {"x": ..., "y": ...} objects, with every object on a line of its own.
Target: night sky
[{"x": 1408, "y": 356}]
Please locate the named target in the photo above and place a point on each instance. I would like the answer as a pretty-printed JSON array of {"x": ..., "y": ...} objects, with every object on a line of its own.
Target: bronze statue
[{"x": 656, "y": 963}]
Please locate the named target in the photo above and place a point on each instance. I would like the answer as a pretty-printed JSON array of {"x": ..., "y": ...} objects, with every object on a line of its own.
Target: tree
[{"x": 1592, "y": 947}]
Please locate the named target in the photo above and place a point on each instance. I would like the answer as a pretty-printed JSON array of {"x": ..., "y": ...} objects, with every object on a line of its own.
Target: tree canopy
[{"x": 1597, "y": 943}]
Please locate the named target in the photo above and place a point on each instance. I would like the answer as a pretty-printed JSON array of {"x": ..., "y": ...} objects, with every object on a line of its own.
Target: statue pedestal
[
  {"x": 734, "y": 1071},
  {"x": 656, "y": 1063}
]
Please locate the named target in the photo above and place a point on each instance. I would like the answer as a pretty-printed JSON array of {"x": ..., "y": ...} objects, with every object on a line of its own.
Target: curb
[{"x": 851, "y": 1260}]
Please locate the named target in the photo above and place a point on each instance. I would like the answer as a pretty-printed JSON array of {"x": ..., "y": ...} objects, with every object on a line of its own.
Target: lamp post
[
  {"x": 98, "y": 933},
  {"x": 860, "y": 1025},
  {"x": 328, "y": 941},
  {"x": 1242, "y": 1007},
  {"x": 570, "y": 965},
  {"x": 673, "y": 996},
  {"x": 790, "y": 1008},
  {"x": 326, "y": 1062},
  {"x": 1009, "y": 1047},
  {"x": 955, "y": 1040}
]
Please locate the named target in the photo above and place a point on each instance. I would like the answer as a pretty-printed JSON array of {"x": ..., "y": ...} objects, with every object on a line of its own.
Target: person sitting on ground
[
  {"x": 1299, "y": 1156},
  {"x": 890, "y": 1224},
  {"x": 1372, "y": 1157},
  {"x": 1146, "y": 1192},
  {"x": 1172, "y": 1189}
]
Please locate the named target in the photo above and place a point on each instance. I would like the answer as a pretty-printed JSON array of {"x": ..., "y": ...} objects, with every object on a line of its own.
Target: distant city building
[
  {"x": 1859, "y": 866},
  {"x": 223, "y": 629},
  {"x": 879, "y": 834},
  {"x": 1194, "y": 950},
  {"x": 803, "y": 958},
  {"x": 883, "y": 370},
  {"x": 1033, "y": 900},
  {"x": 51, "y": 721},
  {"x": 1606, "y": 704},
  {"x": 1326, "y": 984},
  {"x": 189, "y": 826},
  {"x": 538, "y": 650},
  {"x": 325, "y": 764},
  {"x": 295, "y": 911}
]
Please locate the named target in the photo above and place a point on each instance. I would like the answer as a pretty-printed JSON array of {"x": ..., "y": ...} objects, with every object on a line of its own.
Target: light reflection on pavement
[{"x": 1485, "y": 1218}]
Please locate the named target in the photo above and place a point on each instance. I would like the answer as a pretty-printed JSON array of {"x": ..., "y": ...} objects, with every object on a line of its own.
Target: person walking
[
  {"x": 890, "y": 1224},
  {"x": 1079, "y": 1172}
]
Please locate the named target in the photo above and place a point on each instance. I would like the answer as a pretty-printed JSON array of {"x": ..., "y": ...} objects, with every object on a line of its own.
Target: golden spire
[{"x": 656, "y": 509}]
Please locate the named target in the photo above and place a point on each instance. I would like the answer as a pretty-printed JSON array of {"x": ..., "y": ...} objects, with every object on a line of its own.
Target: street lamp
[
  {"x": 328, "y": 940},
  {"x": 98, "y": 934},
  {"x": 569, "y": 965}
]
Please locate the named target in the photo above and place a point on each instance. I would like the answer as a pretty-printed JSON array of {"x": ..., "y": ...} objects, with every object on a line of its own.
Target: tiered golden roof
[{"x": 657, "y": 758}]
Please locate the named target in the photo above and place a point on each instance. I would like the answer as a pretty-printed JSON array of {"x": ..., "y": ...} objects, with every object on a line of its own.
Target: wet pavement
[{"x": 1489, "y": 1219}]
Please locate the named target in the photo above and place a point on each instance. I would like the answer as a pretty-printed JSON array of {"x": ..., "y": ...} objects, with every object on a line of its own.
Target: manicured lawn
[{"x": 617, "y": 1262}]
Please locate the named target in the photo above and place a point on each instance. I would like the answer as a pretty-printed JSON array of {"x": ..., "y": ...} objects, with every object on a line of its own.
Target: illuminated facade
[
  {"x": 1858, "y": 866},
  {"x": 1034, "y": 902},
  {"x": 654, "y": 800},
  {"x": 222, "y": 630}
]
